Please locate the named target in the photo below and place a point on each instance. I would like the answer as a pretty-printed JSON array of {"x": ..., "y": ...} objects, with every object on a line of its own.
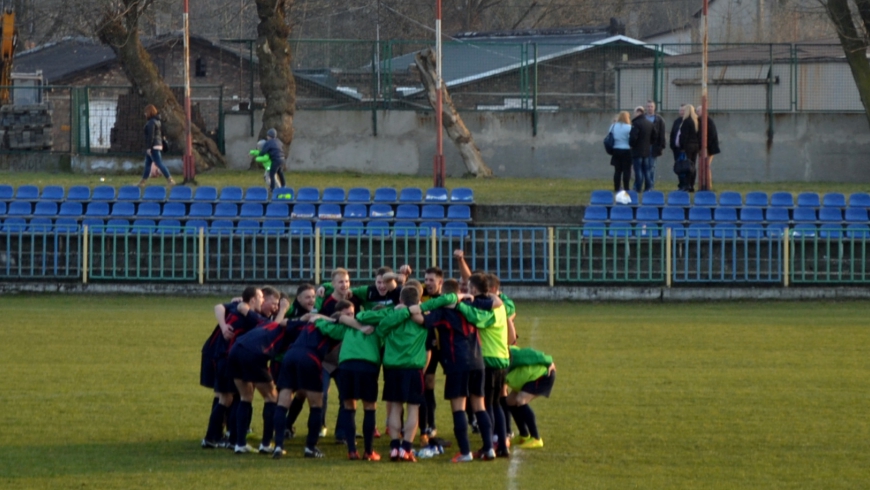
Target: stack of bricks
[
  {"x": 26, "y": 127},
  {"x": 128, "y": 134}
]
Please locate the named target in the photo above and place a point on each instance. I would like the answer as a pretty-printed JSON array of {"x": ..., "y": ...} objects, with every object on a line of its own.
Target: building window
[{"x": 200, "y": 67}]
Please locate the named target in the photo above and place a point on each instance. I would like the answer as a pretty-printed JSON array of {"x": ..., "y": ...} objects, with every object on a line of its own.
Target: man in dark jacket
[
  {"x": 273, "y": 148},
  {"x": 640, "y": 140},
  {"x": 712, "y": 145},
  {"x": 658, "y": 143},
  {"x": 675, "y": 130}
]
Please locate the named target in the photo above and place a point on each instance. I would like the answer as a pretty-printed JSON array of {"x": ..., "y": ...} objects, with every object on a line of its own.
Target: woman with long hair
[
  {"x": 154, "y": 146},
  {"x": 621, "y": 158},
  {"x": 690, "y": 143}
]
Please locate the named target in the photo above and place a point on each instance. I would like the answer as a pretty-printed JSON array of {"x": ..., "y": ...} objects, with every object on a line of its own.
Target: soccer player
[
  {"x": 248, "y": 364},
  {"x": 232, "y": 324},
  {"x": 304, "y": 303},
  {"x": 432, "y": 282},
  {"x": 532, "y": 374}
]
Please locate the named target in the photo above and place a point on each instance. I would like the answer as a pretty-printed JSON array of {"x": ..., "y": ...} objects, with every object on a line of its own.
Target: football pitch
[{"x": 102, "y": 392}]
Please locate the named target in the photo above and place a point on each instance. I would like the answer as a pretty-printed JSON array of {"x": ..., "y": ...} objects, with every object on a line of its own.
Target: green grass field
[
  {"x": 101, "y": 392},
  {"x": 486, "y": 191}
]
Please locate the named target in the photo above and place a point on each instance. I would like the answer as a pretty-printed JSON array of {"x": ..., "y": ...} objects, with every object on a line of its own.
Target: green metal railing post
[{"x": 535, "y": 91}]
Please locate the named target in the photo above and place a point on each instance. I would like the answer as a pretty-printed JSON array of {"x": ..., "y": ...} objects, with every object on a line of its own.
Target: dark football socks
[
  {"x": 294, "y": 410},
  {"x": 216, "y": 423},
  {"x": 268, "y": 422},
  {"x": 279, "y": 423},
  {"x": 529, "y": 419},
  {"x": 460, "y": 430},
  {"x": 347, "y": 424},
  {"x": 507, "y": 413},
  {"x": 422, "y": 418},
  {"x": 315, "y": 422},
  {"x": 369, "y": 423},
  {"x": 499, "y": 427},
  {"x": 485, "y": 425},
  {"x": 430, "y": 408},
  {"x": 243, "y": 420}
]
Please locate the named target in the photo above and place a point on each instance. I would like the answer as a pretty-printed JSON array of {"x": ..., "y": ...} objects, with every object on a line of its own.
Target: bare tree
[
  {"x": 276, "y": 78},
  {"x": 853, "y": 28}
]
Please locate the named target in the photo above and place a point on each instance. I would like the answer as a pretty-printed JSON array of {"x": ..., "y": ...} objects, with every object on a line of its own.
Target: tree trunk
[
  {"x": 452, "y": 122},
  {"x": 276, "y": 77},
  {"x": 120, "y": 31},
  {"x": 854, "y": 45}
]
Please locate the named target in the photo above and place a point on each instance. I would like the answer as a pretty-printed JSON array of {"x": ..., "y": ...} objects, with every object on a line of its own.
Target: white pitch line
[{"x": 517, "y": 454}]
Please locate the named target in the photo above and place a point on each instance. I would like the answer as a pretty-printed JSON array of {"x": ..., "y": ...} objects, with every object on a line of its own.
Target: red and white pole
[
  {"x": 438, "y": 162},
  {"x": 703, "y": 164},
  {"x": 188, "y": 160}
]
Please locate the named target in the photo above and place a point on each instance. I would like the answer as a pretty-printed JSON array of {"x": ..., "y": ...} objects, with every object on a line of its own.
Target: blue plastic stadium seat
[
  {"x": 359, "y": 195},
  {"x": 459, "y": 212},
  {"x": 95, "y": 225},
  {"x": 462, "y": 195},
  {"x": 123, "y": 210},
  {"x": 725, "y": 230},
  {"x": 808, "y": 200},
  {"x": 805, "y": 230},
  {"x": 176, "y": 209},
  {"x": 352, "y": 228},
  {"x": 407, "y": 211},
  {"x": 383, "y": 211},
  {"x": 248, "y": 227},
  {"x": 15, "y": 225},
  {"x": 752, "y": 230},
  {"x": 635, "y": 200},
  {"x": 79, "y": 193},
  {"x": 856, "y": 215},
  {"x": 2, "y": 208},
  {"x": 620, "y": 221},
  {"x": 647, "y": 221},
  {"x": 782, "y": 200},
  {"x": 154, "y": 193},
  {"x": 277, "y": 210},
  {"x": 594, "y": 229},
  {"x": 257, "y": 194},
  {"x": 859, "y": 200},
  {"x": 404, "y": 229},
  {"x": 329, "y": 211},
  {"x": 705, "y": 198},
  {"x": 757, "y": 199},
  {"x": 378, "y": 228},
  {"x": 436, "y": 195},
  {"x": 834, "y": 200},
  {"x": 226, "y": 210},
  {"x": 53, "y": 193},
  {"x": 282, "y": 194},
  {"x": 201, "y": 210},
  {"x": 27, "y": 193},
  {"x": 776, "y": 215},
  {"x": 805, "y": 215},
  {"x": 40, "y": 225},
  {"x": 45, "y": 208},
  {"x": 180, "y": 194},
  {"x": 426, "y": 227},
  {"x": 66, "y": 225},
  {"x": 411, "y": 195},
  {"x": 6, "y": 192},
  {"x": 97, "y": 210},
  {"x": 595, "y": 214},
  {"x": 855, "y": 230},
  {"x": 143, "y": 226},
  {"x": 70, "y": 209},
  {"x": 19, "y": 208},
  {"x": 673, "y": 214},
  {"x": 456, "y": 229},
  {"x": 103, "y": 193},
  {"x": 129, "y": 193},
  {"x": 221, "y": 227},
  {"x": 385, "y": 195},
  {"x": 775, "y": 230},
  {"x": 277, "y": 227},
  {"x": 303, "y": 211},
  {"x": 724, "y": 215},
  {"x": 192, "y": 227},
  {"x": 831, "y": 230},
  {"x": 751, "y": 215},
  {"x": 251, "y": 210},
  {"x": 356, "y": 211},
  {"x": 699, "y": 230},
  {"x": 231, "y": 194},
  {"x": 830, "y": 215},
  {"x": 653, "y": 198},
  {"x": 678, "y": 198},
  {"x": 729, "y": 199},
  {"x": 301, "y": 227},
  {"x": 333, "y": 195},
  {"x": 117, "y": 226},
  {"x": 148, "y": 210},
  {"x": 308, "y": 194},
  {"x": 327, "y": 227},
  {"x": 169, "y": 227},
  {"x": 601, "y": 198},
  {"x": 700, "y": 215},
  {"x": 204, "y": 194}
]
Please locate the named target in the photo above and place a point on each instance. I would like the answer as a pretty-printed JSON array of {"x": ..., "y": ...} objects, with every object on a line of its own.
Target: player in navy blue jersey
[
  {"x": 249, "y": 366},
  {"x": 432, "y": 282},
  {"x": 304, "y": 303},
  {"x": 231, "y": 324}
]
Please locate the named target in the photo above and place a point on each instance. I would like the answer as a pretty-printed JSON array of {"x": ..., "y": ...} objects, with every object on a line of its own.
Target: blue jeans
[
  {"x": 643, "y": 173},
  {"x": 156, "y": 159}
]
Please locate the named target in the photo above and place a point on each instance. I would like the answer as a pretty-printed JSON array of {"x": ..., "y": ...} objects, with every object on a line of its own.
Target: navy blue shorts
[
  {"x": 358, "y": 380},
  {"x": 433, "y": 361},
  {"x": 223, "y": 380},
  {"x": 207, "y": 370},
  {"x": 275, "y": 369},
  {"x": 403, "y": 386},
  {"x": 251, "y": 367},
  {"x": 301, "y": 370},
  {"x": 464, "y": 384},
  {"x": 541, "y": 386},
  {"x": 493, "y": 384}
]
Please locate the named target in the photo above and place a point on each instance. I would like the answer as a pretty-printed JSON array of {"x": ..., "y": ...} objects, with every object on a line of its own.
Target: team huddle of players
[{"x": 265, "y": 343}]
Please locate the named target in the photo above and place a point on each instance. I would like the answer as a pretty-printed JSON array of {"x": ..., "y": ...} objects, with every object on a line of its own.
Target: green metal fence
[
  {"x": 40, "y": 255},
  {"x": 828, "y": 259},
  {"x": 141, "y": 255},
  {"x": 604, "y": 255}
]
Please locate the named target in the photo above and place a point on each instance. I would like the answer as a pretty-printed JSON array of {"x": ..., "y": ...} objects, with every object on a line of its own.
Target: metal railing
[{"x": 594, "y": 254}]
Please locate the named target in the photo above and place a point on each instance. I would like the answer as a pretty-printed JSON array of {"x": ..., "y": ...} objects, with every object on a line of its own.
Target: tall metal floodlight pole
[
  {"x": 438, "y": 161},
  {"x": 187, "y": 161},
  {"x": 703, "y": 163}
]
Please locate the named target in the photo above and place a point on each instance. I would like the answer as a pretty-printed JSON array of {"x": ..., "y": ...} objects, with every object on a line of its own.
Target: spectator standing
[
  {"x": 273, "y": 148},
  {"x": 690, "y": 142},
  {"x": 154, "y": 146},
  {"x": 640, "y": 140},
  {"x": 658, "y": 142},
  {"x": 712, "y": 145},
  {"x": 621, "y": 158}
]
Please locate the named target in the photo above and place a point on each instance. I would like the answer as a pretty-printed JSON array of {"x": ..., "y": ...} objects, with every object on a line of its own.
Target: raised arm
[{"x": 464, "y": 271}]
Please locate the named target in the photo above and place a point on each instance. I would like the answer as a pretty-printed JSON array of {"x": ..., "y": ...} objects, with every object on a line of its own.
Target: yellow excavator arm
[{"x": 8, "y": 40}]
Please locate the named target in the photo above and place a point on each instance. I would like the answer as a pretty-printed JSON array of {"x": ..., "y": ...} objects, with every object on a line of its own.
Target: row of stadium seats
[
  {"x": 132, "y": 193},
  {"x": 828, "y": 222},
  {"x": 245, "y": 227},
  {"x": 735, "y": 199},
  {"x": 225, "y": 210}
]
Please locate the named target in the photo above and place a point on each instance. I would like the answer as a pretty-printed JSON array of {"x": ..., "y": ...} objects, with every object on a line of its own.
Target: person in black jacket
[
  {"x": 154, "y": 146},
  {"x": 658, "y": 143},
  {"x": 712, "y": 145},
  {"x": 689, "y": 142},
  {"x": 675, "y": 132},
  {"x": 273, "y": 148},
  {"x": 640, "y": 139}
]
